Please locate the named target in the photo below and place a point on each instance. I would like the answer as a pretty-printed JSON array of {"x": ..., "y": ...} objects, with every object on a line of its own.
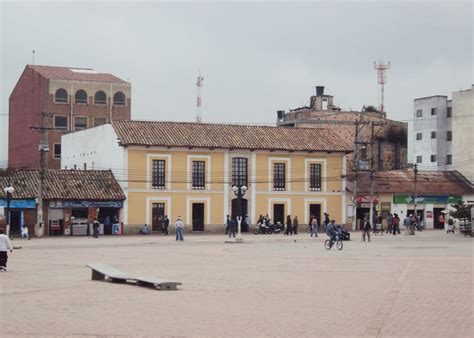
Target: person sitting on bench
[{"x": 144, "y": 230}]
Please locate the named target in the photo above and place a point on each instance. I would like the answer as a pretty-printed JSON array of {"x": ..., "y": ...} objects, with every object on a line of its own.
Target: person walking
[
  {"x": 326, "y": 221},
  {"x": 95, "y": 227},
  {"x": 289, "y": 226},
  {"x": 179, "y": 226},
  {"x": 412, "y": 224},
  {"x": 5, "y": 245},
  {"x": 366, "y": 227},
  {"x": 295, "y": 225},
  {"x": 396, "y": 224},
  {"x": 406, "y": 223},
  {"x": 314, "y": 227},
  {"x": 231, "y": 224},
  {"x": 166, "y": 224}
]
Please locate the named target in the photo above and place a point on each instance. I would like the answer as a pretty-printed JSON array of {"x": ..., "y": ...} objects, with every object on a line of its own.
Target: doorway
[
  {"x": 315, "y": 211},
  {"x": 235, "y": 211},
  {"x": 157, "y": 214},
  {"x": 112, "y": 214},
  {"x": 436, "y": 213},
  {"x": 278, "y": 213},
  {"x": 198, "y": 216},
  {"x": 15, "y": 222}
]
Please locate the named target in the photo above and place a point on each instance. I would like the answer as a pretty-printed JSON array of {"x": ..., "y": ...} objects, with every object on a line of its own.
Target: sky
[{"x": 255, "y": 57}]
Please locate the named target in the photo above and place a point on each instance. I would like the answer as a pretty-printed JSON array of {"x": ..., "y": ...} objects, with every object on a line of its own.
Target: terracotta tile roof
[
  {"x": 228, "y": 136},
  {"x": 76, "y": 74},
  {"x": 402, "y": 181},
  {"x": 62, "y": 184}
]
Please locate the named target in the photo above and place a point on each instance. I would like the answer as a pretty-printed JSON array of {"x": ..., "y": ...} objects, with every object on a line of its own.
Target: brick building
[
  {"x": 61, "y": 100},
  {"x": 390, "y": 139}
]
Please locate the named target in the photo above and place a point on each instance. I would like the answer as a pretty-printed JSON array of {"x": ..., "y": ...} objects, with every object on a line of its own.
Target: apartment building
[{"x": 59, "y": 100}]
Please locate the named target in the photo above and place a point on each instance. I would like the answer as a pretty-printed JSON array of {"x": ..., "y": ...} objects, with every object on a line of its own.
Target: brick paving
[{"x": 272, "y": 285}]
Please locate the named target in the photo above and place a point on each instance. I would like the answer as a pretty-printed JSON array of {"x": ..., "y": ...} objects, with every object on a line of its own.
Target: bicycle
[{"x": 329, "y": 243}]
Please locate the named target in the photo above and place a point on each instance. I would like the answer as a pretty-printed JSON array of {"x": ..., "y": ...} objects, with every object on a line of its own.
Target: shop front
[
  {"x": 430, "y": 208},
  {"x": 73, "y": 217},
  {"x": 22, "y": 212}
]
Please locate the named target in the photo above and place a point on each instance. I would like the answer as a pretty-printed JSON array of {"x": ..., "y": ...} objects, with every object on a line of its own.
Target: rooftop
[
  {"x": 75, "y": 74},
  {"x": 402, "y": 181},
  {"x": 62, "y": 184},
  {"x": 228, "y": 136}
]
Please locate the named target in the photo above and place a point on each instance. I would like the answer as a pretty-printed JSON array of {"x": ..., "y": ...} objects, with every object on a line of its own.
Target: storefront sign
[
  {"x": 19, "y": 204},
  {"x": 429, "y": 214},
  {"x": 366, "y": 199},
  {"x": 442, "y": 199},
  {"x": 386, "y": 206},
  {"x": 85, "y": 204}
]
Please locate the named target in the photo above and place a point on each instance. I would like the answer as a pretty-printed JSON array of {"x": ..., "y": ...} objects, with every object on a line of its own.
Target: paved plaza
[{"x": 271, "y": 285}]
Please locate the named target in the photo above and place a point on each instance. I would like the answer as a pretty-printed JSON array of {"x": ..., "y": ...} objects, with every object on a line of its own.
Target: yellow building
[{"x": 189, "y": 169}]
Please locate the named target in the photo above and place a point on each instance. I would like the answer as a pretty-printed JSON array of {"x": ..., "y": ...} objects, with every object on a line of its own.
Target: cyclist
[{"x": 331, "y": 232}]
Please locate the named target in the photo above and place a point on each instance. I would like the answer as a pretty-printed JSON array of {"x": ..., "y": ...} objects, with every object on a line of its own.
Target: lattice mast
[
  {"x": 199, "y": 85},
  {"x": 381, "y": 79}
]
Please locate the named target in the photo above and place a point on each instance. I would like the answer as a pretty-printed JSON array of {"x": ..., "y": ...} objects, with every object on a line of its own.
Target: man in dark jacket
[
  {"x": 95, "y": 227},
  {"x": 289, "y": 226},
  {"x": 366, "y": 229},
  {"x": 295, "y": 225},
  {"x": 166, "y": 223}
]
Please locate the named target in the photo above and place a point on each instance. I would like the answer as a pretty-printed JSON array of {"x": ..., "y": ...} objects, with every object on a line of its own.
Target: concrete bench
[
  {"x": 158, "y": 283},
  {"x": 102, "y": 271}
]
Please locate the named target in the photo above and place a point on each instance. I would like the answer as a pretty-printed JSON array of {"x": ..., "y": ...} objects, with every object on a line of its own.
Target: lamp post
[
  {"x": 239, "y": 191},
  {"x": 8, "y": 193}
]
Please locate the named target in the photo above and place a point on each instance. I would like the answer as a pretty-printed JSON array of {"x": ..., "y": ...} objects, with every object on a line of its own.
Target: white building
[
  {"x": 432, "y": 133},
  {"x": 463, "y": 132}
]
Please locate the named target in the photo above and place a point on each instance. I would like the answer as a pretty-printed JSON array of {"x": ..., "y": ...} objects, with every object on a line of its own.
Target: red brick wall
[{"x": 26, "y": 103}]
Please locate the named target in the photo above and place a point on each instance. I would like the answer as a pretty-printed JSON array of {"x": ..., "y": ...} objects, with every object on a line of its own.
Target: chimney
[{"x": 319, "y": 90}]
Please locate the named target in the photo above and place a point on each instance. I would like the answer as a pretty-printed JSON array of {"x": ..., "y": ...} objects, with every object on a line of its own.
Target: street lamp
[
  {"x": 8, "y": 192},
  {"x": 239, "y": 191}
]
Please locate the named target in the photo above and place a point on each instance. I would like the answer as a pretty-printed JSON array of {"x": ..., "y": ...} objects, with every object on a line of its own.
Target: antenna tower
[
  {"x": 199, "y": 84},
  {"x": 381, "y": 79}
]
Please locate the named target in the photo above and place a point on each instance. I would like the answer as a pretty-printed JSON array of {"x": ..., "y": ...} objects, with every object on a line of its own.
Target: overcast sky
[{"x": 256, "y": 58}]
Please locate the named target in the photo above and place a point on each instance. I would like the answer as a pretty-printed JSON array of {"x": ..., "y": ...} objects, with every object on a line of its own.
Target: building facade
[
  {"x": 59, "y": 100},
  {"x": 433, "y": 133},
  {"x": 389, "y": 136},
  {"x": 72, "y": 199},
  {"x": 394, "y": 192},
  {"x": 189, "y": 169},
  {"x": 463, "y": 138}
]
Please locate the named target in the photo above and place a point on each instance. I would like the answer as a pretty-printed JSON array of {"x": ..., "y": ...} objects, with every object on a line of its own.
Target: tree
[{"x": 463, "y": 210}]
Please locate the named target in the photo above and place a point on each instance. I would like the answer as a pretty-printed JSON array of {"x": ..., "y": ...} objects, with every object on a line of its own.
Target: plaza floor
[{"x": 271, "y": 285}]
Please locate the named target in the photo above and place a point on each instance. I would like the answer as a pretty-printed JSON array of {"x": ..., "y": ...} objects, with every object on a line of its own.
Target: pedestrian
[
  {"x": 326, "y": 221},
  {"x": 179, "y": 226},
  {"x": 95, "y": 227},
  {"x": 384, "y": 224},
  {"x": 232, "y": 225},
  {"x": 5, "y": 245},
  {"x": 395, "y": 224},
  {"x": 314, "y": 227},
  {"x": 366, "y": 229},
  {"x": 289, "y": 226},
  {"x": 389, "y": 223},
  {"x": 24, "y": 232},
  {"x": 166, "y": 224},
  {"x": 295, "y": 225},
  {"x": 412, "y": 224},
  {"x": 441, "y": 221},
  {"x": 406, "y": 223}
]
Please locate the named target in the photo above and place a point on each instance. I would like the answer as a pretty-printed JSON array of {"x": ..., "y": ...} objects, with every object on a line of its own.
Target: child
[{"x": 5, "y": 245}]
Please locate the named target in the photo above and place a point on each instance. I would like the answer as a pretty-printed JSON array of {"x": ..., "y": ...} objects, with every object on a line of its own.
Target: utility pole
[
  {"x": 415, "y": 169},
  {"x": 43, "y": 148},
  {"x": 356, "y": 167},
  {"x": 371, "y": 210}
]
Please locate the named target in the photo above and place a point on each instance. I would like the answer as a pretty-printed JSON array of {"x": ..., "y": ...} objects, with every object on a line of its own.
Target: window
[
  {"x": 449, "y": 136},
  {"x": 61, "y": 96},
  {"x": 158, "y": 174},
  {"x": 199, "y": 181},
  {"x": 57, "y": 150},
  {"x": 119, "y": 99},
  {"x": 98, "y": 121},
  {"x": 239, "y": 171},
  {"x": 449, "y": 112},
  {"x": 419, "y": 159},
  {"x": 433, "y": 158},
  {"x": 419, "y": 136},
  {"x": 100, "y": 97},
  {"x": 315, "y": 177},
  {"x": 60, "y": 122},
  {"x": 433, "y": 134},
  {"x": 80, "y": 123},
  {"x": 279, "y": 176},
  {"x": 81, "y": 97},
  {"x": 449, "y": 159},
  {"x": 433, "y": 111},
  {"x": 419, "y": 113}
]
